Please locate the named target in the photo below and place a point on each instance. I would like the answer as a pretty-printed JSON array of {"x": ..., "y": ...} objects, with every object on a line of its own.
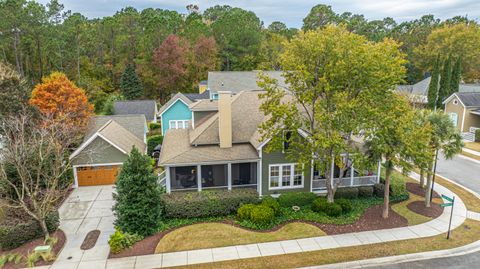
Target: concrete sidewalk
[{"x": 431, "y": 228}]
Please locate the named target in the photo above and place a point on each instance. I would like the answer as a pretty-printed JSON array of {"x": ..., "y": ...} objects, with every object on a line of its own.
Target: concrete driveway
[{"x": 85, "y": 210}]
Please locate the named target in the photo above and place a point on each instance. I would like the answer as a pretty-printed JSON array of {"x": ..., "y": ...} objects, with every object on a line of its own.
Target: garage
[{"x": 97, "y": 175}]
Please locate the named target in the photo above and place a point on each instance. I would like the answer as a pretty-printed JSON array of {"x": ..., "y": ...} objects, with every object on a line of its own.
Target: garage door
[{"x": 97, "y": 175}]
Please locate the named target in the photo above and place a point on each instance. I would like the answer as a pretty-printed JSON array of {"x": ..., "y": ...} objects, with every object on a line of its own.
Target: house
[
  {"x": 137, "y": 107},
  {"x": 464, "y": 110},
  {"x": 223, "y": 149},
  {"x": 176, "y": 114},
  {"x": 106, "y": 145}
]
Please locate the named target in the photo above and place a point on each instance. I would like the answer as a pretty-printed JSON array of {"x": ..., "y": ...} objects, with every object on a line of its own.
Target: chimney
[{"x": 225, "y": 118}]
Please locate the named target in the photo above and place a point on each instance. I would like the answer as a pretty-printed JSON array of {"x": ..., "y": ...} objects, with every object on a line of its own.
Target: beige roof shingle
[
  {"x": 120, "y": 137},
  {"x": 204, "y": 105}
]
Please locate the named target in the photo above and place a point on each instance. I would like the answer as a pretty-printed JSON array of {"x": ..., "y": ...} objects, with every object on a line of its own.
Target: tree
[
  {"x": 445, "y": 81},
  {"x": 204, "y": 58},
  {"x": 36, "y": 154},
  {"x": 270, "y": 51},
  {"x": 433, "y": 88},
  {"x": 58, "y": 98},
  {"x": 456, "y": 76},
  {"x": 396, "y": 136},
  {"x": 137, "y": 202},
  {"x": 130, "y": 84},
  {"x": 14, "y": 92},
  {"x": 319, "y": 16},
  {"x": 170, "y": 60},
  {"x": 444, "y": 137},
  {"x": 335, "y": 79}
]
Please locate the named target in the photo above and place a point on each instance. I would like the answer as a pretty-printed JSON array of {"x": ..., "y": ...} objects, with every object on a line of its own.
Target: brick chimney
[{"x": 225, "y": 118}]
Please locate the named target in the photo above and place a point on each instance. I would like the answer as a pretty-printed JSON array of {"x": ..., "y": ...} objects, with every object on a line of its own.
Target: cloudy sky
[{"x": 292, "y": 11}]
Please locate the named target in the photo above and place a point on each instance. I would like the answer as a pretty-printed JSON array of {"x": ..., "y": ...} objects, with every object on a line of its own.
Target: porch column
[
  {"x": 199, "y": 177},
  {"x": 259, "y": 177},
  {"x": 229, "y": 176},
  {"x": 168, "y": 185},
  {"x": 379, "y": 171},
  {"x": 352, "y": 170}
]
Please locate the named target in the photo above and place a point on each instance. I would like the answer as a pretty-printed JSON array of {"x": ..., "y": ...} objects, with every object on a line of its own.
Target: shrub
[
  {"x": 206, "y": 203},
  {"x": 347, "y": 193},
  {"x": 245, "y": 211},
  {"x": 262, "y": 215},
  {"x": 290, "y": 199},
  {"x": 15, "y": 235},
  {"x": 333, "y": 210},
  {"x": 152, "y": 142},
  {"x": 319, "y": 205},
  {"x": 379, "y": 189},
  {"x": 137, "y": 202},
  {"x": 345, "y": 204},
  {"x": 119, "y": 241},
  {"x": 154, "y": 126},
  {"x": 365, "y": 191},
  {"x": 272, "y": 203},
  {"x": 477, "y": 135},
  {"x": 398, "y": 186}
]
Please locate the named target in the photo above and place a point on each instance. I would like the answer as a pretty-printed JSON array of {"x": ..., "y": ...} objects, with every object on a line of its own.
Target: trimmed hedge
[
  {"x": 347, "y": 193},
  {"x": 398, "y": 186},
  {"x": 206, "y": 203},
  {"x": 262, "y": 214},
  {"x": 13, "y": 236},
  {"x": 290, "y": 199},
  {"x": 379, "y": 189},
  {"x": 245, "y": 211},
  {"x": 330, "y": 209},
  {"x": 154, "y": 126},
  {"x": 477, "y": 135},
  {"x": 345, "y": 204},
  {"x": 365, "y": 191}
]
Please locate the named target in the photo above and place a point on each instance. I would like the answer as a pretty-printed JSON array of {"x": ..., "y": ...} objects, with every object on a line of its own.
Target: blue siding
[{"x": 178, "y": 111}]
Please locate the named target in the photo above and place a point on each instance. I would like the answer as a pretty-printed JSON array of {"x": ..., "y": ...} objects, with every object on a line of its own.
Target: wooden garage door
[{"x": 97, "y": 175}]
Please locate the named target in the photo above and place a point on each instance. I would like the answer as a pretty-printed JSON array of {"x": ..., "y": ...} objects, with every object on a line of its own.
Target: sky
[{"x": 292, "y": 12}]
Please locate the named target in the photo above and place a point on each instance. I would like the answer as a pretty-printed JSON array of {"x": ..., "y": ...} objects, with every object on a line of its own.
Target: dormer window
[{"x": 287, "y": 135}]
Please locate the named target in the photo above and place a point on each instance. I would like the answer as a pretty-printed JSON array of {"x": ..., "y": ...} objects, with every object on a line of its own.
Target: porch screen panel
[
  {"x": 214, "y": 176},
  {"x": 244, "y": 174},
  {"x": 183, "y": 177}
]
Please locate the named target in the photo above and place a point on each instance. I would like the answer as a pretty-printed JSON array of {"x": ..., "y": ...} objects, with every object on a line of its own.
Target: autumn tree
[
  {"x": 332, "y": 78},
  {"x": 57, "y": 97},
  {"x": 171, "y": 62},
  {"x": 130, "y": 84},
  {"x": 204, "y": 58}
]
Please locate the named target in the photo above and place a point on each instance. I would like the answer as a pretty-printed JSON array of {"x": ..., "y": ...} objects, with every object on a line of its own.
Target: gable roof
[
  {"x": 133, "y": 107},
  {"x": 468, "y": 99},
  {"x": 178, "y": 96},
  {"x": 135, "y": 124},
  {"x": 198, "y": 96},
  {"x": 237, "y": 81},
  {"x": 204, "y": 105}
]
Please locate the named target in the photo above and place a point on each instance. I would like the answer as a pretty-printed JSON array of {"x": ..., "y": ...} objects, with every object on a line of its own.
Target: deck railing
[
  {"x": 162, "y": 178},
  {"x": 320, "y": 183}
]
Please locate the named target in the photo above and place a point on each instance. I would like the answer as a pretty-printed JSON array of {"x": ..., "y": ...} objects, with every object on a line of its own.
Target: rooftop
[
  {"x": 237, "y": 81},
  {"x": 131, "y": 107}
]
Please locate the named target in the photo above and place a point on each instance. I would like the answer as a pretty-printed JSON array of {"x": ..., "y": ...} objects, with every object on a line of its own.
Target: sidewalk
[
  {"x": 431, "y": 228},
  {"x": 473, "y": 152}
]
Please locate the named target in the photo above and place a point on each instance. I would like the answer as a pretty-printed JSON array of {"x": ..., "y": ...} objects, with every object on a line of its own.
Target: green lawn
[{"x": 473, "y": 146}]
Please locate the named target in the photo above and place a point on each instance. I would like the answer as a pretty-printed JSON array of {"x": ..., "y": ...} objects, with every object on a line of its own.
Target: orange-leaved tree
[{"x": 60, "y": 99}]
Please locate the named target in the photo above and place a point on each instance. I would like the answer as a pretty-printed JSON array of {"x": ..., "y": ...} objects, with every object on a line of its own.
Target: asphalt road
[{"x": 467, "y": 173}]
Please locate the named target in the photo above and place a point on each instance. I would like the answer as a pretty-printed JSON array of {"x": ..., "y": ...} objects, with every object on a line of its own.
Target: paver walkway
[{"x": 431, "y": 228}]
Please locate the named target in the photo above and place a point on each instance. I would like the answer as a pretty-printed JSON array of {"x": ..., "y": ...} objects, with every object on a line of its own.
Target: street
[{"x": 467, "y": 173}]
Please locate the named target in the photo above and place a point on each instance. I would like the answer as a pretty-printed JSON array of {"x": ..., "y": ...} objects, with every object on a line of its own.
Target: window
[
  {"x": 214, "y": 96},
  {"x": 453, "y": 118},
  {"x": 285, "y": 176},
  {"x": 455, "y": 102},
  {"x": 178, "y": 124},
  {"x": 286, "y": 139}
]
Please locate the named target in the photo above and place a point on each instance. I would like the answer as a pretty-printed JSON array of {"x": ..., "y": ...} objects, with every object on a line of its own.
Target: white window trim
[
  {"x": 185, "y": 124},
  {"x": 292, "y": 175}
]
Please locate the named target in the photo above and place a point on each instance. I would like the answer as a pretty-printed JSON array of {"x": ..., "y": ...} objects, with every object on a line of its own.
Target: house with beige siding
[{"x": 464, "y": 110}]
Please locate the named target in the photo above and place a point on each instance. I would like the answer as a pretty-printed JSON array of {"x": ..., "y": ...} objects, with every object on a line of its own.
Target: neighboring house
[
  {"x": 176, "y": 114},
  {"x": 464, "y": 110},
  {"x": 222, "y": 148},
  {"x": 137, "y": 107},
  {"x": 106, "y": 145}
]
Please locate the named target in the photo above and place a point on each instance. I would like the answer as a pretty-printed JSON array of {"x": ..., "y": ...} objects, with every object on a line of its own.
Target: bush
[
  {"x": 290, "y": 199},
  {"x": 152, "y": 142},
  {"x": 206, "y": 203},
  {"x": 15, "y": 235},
  {"x": 245, "y": 211},
  {"x": 398, "y": 186},
  {"x": 120, "y": 241},
  {"x": 272, "y": 203},
  {"x": 137, "y": 202},
  {"x": 319, "y": 205},
  {"x": 154, "y": 126},
  {"x": 477, "y": 135},
  {"x": 347, "y": 193},
  {"x": 365, "y": 191},
  {"x": 330, "y": 209},
  {"x": 262, "y": 215},
  {"x": 345, "y": 204},
  {"x": 379, "y": 189},
  {"x": 333, "y": 210}
]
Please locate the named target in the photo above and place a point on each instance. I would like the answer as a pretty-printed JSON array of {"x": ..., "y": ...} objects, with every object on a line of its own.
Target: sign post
[{"x": 450, "y": 202}]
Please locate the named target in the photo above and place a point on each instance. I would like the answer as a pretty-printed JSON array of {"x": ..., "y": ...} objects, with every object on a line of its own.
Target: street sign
[
  {"x": 446, "y": 204},
  {"x": 447, "y": 198}
]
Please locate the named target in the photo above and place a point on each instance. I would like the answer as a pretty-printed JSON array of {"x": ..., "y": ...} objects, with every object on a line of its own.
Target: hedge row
[
  {"x": 354, "y": 192},
  {"x": 13, "y": 236},
  {"x": 206, "y": 203}
]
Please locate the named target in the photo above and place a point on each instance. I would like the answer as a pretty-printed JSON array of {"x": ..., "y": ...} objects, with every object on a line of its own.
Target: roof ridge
[{"x": 128, "y": 133}]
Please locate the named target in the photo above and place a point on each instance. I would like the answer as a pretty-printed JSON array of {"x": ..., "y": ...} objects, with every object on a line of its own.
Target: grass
[
  {"x": 470, "y": 200},
  {"x": 467, "y": 233},
  {"x": 210, "y": 235},
  {"x": 473, "y": 146},
  {"x": 470, "y": 155},
  {"x": 412, "y": 217}
]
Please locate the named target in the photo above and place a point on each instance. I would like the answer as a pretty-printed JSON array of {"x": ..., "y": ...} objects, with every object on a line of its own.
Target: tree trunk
[
  {"x": 386, "y": 193},
  {"x": 422, "y": 178},
  {"x": 329, "y": 185},
  {"x": 43, "y": 225},
  {"x": 429, "y": 185}
]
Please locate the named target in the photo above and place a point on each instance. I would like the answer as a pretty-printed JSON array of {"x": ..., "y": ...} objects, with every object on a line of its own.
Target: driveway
[{"x": 85, "y": 210}]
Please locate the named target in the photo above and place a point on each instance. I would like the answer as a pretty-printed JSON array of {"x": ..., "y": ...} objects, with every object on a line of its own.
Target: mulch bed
[
  {"x": 418, "y": 207},
  {"x": 419, "y": 191},
  {"x": 90, "y": 240},
  {"x": 30, "y": 246},
  {"x": 145, "y": 247}
]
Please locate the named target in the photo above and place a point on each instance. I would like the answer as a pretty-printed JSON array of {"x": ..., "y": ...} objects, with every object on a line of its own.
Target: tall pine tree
[
  {"x": 456, "y": 76},
  {"x": 445, "y": 81},
  {"x": 433, "y": 87},
  {"x": 137, "y": 203},
  {"x": 130, "y": 84}
]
